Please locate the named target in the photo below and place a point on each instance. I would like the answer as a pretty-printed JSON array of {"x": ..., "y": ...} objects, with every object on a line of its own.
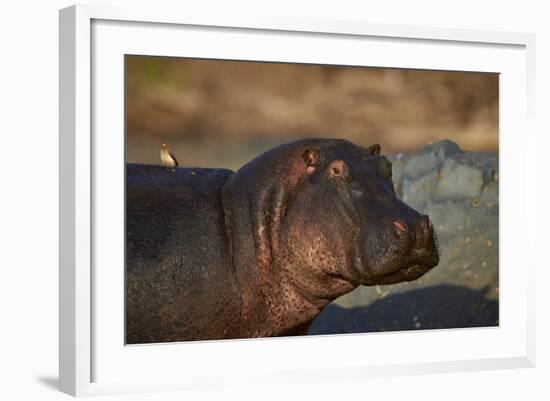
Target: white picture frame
[{"x": 91, "y": 37}]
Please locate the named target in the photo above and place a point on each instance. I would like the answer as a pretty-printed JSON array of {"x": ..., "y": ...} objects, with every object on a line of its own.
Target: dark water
[{"x": 436, "y": 307}]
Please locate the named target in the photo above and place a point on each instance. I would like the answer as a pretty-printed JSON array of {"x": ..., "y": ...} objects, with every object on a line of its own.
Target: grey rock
[
  {"x": 444, "y": 149},
  {"x": 483, "y": 219},
  {"x": 489, "y": 196},
  {"x": 448, "y": 217},
  {"x": 417, "y": 193},
  {"x": 458, "y": 181},
  {"x": 420, "y": 165}
]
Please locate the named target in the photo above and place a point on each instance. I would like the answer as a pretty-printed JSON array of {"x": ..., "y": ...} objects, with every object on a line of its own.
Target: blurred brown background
[{"x": 223, "y": 113}]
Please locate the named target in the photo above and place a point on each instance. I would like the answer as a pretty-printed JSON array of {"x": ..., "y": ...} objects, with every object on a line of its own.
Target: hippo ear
[
  {"x": 374, "y": 149},
  {"x": 311, "y": 158}
]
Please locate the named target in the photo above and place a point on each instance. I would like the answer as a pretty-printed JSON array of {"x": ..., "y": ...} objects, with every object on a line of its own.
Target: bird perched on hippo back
[
  {"x": 262, "y": 251},
  {"x": 167, "y": 157}
]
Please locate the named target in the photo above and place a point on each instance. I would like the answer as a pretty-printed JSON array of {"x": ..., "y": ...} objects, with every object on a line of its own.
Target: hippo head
[
  {"x": 326, "y": 213},
  {"x": 350, "y": 223}
]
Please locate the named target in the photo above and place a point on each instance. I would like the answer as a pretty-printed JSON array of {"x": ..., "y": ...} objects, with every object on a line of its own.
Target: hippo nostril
[{"x": 399, "y": 227}]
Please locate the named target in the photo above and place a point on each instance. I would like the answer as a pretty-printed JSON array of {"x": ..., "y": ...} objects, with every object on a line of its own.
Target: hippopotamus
[{"x": 215, "y": 254}]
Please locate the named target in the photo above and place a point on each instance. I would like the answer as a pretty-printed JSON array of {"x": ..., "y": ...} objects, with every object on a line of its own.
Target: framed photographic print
[{"x": 268, "y": 200}]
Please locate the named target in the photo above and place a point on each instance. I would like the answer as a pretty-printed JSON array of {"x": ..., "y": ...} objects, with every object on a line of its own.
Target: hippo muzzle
[{"x": 403, "y": 250}]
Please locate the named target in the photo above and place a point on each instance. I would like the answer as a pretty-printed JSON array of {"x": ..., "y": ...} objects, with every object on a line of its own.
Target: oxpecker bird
[{"x": 168, "y": 159}]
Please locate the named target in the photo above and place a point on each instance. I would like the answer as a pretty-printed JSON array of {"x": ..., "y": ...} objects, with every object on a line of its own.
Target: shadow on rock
[{"x": 437, "y": 307}]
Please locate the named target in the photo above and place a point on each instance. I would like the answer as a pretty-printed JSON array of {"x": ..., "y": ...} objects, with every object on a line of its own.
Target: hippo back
[{"x": 176, "y": 249}]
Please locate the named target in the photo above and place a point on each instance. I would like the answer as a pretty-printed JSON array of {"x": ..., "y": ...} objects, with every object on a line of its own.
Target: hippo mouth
[
  {"x": 405, "y": 274},
  {"x": 408, "y": 273}
]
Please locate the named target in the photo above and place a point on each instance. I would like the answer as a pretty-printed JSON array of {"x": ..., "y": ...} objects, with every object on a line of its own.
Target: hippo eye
[{"x": 336, "y": 168}]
